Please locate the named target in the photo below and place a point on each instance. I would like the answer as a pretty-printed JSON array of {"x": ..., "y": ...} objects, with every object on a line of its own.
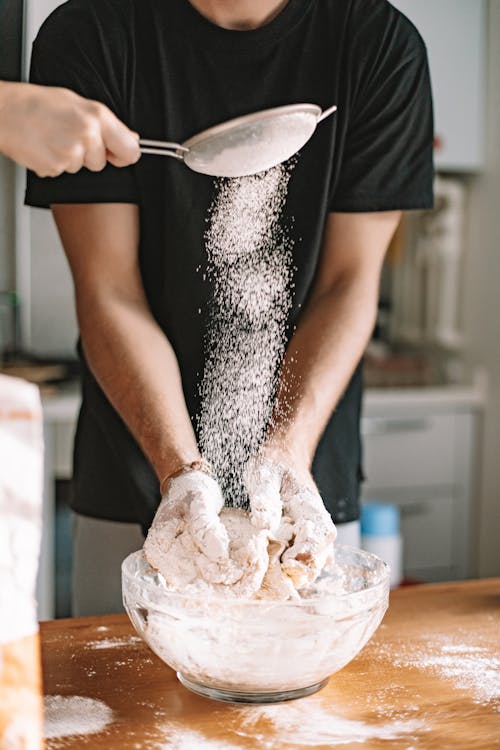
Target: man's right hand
[
  {"x": 53, "y": 130},
  {"x": 187, "y": 540}
]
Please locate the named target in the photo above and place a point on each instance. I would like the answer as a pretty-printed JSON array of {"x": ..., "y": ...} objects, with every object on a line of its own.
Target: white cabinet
[
  {"x": 455, "y": 34},
  {"x": 424, "y": 462}
]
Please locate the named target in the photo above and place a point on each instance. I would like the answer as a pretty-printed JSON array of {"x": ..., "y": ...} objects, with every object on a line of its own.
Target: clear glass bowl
[{"x": 260, "y": 651}]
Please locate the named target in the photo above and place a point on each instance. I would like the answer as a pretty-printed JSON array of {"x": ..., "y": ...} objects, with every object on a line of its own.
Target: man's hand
[
  {"x": 53, "y": 130},
  {"x": 282, "y": 493},
  {"x": 314, "y": 531},
  {"x": 187, "y": 538}
]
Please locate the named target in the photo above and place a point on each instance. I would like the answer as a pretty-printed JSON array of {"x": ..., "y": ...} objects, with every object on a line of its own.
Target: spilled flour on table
[
  {"x": 67, "y": 715},
  {"x": 116, "y": 642},
  {"x": 308, "y": 724},
  {"x": 185, "y": 739},
  {"x": 469, "y": 666},
  {"x": 303, "y": 723},
  {"x": 249, "y": 266}
]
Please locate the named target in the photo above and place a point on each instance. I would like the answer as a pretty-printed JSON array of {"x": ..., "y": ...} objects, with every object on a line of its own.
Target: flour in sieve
[{"x": 249, "y": 264}]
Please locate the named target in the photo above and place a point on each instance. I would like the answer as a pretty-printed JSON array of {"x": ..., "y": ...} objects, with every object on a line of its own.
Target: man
[
  {"x": 135, "y": 239},
  {"x": 51, "y": 130}
]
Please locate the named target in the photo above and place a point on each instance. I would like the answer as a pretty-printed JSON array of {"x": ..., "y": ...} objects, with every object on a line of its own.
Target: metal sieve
[{"x": 245, "y": 145}]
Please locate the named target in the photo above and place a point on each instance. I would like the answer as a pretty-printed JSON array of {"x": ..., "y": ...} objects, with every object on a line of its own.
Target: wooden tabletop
[{"x": 429, "y": 678}]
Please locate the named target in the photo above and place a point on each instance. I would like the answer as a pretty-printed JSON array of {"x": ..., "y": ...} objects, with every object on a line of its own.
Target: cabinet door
[
  {"x": 455, "y": 34},
  {"x": 412, "y": 451}
]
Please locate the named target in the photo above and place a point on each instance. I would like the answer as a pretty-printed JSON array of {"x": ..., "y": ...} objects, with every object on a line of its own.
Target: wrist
[
  {"x": 290, "y": 448},
  {"x": 200, "y": 465},
  {"x": 171, "y": 461}
]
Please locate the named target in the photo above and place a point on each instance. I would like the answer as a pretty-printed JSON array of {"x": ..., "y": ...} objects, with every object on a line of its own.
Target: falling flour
[
  {"x": 249, "y": 264},
  {"x": 67, "y": 715}
]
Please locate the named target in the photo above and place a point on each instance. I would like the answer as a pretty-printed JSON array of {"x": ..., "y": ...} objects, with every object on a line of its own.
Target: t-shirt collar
[{"x": 235, "y": 41}]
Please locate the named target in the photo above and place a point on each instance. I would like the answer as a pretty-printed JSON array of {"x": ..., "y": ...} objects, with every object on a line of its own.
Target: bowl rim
[{"x": 382, "y": 583}]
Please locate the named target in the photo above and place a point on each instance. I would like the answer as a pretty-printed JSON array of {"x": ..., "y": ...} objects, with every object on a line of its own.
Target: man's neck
[{"x": 240, "y": 15}]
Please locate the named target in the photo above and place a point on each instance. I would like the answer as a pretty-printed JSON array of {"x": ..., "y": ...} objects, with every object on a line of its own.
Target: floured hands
[
  {"x": 281, "y": 495},
  {"x": 187, "y": 523},
  {"x": 191, "y": 541}
]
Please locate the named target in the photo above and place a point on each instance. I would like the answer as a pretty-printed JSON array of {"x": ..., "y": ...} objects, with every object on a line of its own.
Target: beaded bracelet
[{"x": 199, "y": 465}]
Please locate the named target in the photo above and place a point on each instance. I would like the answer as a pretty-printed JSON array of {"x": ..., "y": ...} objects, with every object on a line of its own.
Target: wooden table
[{"x": 430, "y": 678}]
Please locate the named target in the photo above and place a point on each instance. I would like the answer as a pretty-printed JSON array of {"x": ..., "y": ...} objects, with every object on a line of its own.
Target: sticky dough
[{"x": 254, "y": 569}]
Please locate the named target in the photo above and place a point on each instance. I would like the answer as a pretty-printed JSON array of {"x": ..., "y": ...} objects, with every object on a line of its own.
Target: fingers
[
  {"x": 159, "y": 540},
  {"x": 75, "y": 159},
  {"x": 198, "y": 498},
  {"x": 207, "y": 529},
  {"x": 108, "y": 139},
  {"x": 262, "y": 479},
  {"x": 314, "y": 531},
  {"x": 95, "y": 155},
  {"x": 304, "y": 503},
  {"x": 52, "y": 130},
  {"x": 310, "y": 553},
  {"x": 94, "y": 137},
  {"x": 121, "y": 144}
]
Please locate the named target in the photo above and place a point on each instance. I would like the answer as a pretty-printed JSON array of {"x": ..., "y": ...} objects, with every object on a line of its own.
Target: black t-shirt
[{"x": 169, "y": 73}]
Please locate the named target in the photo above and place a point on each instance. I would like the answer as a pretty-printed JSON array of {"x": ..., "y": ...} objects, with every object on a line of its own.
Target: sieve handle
[
  {"x": 327, "y": 112},
  {"x": 162, "y": 148}
]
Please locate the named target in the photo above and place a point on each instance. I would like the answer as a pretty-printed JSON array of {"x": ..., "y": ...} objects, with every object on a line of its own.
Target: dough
[{"x": 254, "y": 568}]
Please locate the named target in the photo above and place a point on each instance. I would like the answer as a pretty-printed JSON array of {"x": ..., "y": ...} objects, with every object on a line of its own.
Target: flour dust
[
  {"x": 305, "y": 723},
  {"x": 249, "y": 265},
  {"x": 469, "y": 666},
  {"x": 68, "y": 715}
]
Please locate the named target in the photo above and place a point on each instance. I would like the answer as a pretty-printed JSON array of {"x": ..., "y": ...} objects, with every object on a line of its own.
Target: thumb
[
  {"x": 262, "y": 479},
  {"x": 122, "y": 145}
]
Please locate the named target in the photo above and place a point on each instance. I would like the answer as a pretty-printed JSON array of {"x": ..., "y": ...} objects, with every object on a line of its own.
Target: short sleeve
[
  {"x": 73, "y": 50},
  {"x": 386, "y": 149}
]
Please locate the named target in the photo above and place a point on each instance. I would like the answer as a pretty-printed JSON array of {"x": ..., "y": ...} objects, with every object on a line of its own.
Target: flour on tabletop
[
  {"x": 179, "y": 738},
  {"x": 303, "y": 723},
  {"x": 249, "y": 264},
  {"x": 307, "y": 723},
  {"x": 469, "y": 666},
  {"x": 117, "y": 642},
  {"x": 67, "y": 715}
]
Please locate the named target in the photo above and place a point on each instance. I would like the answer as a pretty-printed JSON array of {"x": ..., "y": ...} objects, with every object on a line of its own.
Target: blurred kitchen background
[{"x": 432, "y": 408}]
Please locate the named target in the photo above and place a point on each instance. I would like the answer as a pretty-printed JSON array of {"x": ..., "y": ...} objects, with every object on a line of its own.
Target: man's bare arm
[
  {"x": 127, "y": 351},
  {"x": 53, "y": 130},
  {"x": 332, "y": 332}
]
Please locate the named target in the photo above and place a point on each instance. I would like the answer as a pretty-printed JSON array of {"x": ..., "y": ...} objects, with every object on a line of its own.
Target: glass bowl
[{"x": 260, "y": 651}]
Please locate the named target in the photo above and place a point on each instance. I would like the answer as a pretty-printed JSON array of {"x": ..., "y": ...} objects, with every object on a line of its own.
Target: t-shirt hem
[
  {"x": 389, "y": 204},
  {"x": 42, "y": 196}
]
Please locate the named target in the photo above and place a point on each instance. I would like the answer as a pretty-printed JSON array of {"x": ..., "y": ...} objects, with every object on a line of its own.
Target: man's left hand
[{"x": 280, "y": 489}]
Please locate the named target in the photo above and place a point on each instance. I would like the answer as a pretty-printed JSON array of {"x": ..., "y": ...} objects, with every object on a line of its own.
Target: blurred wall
[
  {"x": 7, "y": 224},
  {"x": 11, "y": 16},
  {"x": 482, "y": 304}
]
